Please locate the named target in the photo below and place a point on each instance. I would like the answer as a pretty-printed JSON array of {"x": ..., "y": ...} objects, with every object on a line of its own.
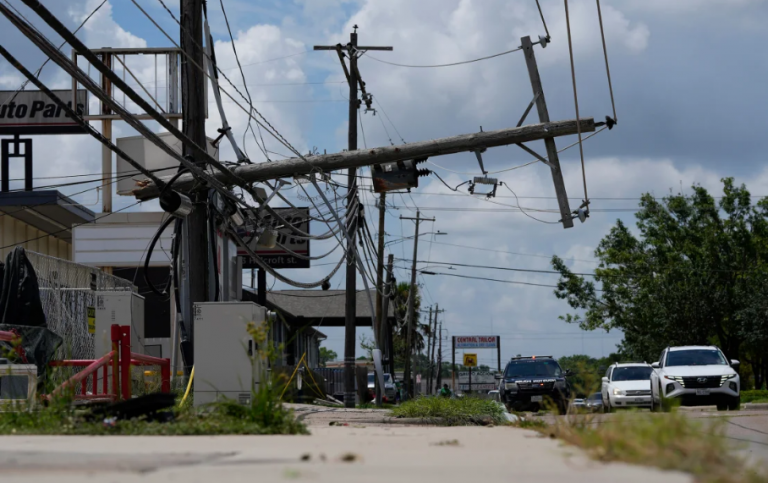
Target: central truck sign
[
  {"x": 33, "y": 112},
  {"x": 477, "y": 342}
]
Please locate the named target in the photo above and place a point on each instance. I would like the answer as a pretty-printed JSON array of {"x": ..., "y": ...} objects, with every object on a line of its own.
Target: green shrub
[
  {"x": 754, "y": 396},
  {"x": 461, "y": 411}
]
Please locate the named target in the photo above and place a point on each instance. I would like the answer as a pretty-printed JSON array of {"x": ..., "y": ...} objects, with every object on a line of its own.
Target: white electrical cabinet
[
  {"x": 226, "y": 360},
  {"x": 121, "y": 308}
]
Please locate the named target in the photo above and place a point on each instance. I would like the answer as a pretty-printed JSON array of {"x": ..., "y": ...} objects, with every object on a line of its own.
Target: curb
[
  {"x": 744, "y": 407},
  {"x": 407, "y": 421}
]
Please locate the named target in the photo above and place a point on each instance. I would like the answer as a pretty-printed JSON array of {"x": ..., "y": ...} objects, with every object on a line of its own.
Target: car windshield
[
  {"x": 370, "y": 379},
  {"x": 387, "y": 379},
  {"x": 533, "y": 368},
  {"x": 632, "y": 373},
  {"x": 596, "y": 397},
  {"x": 696, "y": 357}
]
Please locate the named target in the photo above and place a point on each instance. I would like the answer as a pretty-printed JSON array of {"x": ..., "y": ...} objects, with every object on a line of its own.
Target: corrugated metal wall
[{"x": 13, "y": 232}]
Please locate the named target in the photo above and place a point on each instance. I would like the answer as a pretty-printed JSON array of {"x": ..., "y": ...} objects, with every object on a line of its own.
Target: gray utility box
[
  {"x": 121, "y": 308},
  {"x": 226, "y": 361}
]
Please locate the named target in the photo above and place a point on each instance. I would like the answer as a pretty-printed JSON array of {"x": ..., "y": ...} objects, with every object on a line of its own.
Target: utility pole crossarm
[
  {"x": 367, "y": 157},
  {"x": 359, "y": 47}
]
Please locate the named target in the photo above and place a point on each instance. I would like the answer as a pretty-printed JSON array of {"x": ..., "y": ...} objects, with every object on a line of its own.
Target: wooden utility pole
[
  {"x": 195, "y": 266},
  {"x": 350, "y": 310},
  {"x": 389, "y": 345},
  {"x": 368, "y": 157},
  {"x": 429, "y": 347},
  {"x": 549, "y": 142},
  {"x": 411, "y": 308},
  {"x": 439, "y": 357},
  {"x": 432, "y": 355},
  {"x": 380, "y": 269}
]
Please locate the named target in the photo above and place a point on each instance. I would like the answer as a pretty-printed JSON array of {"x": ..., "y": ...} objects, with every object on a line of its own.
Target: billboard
[
  {"x": 477, "y": 342},
  {"x": 33, "y": 112},
  {"x": 277, "y": 257},
  {"x": 485, "y": 377}
]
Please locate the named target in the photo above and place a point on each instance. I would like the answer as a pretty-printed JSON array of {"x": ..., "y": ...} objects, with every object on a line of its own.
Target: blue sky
[{"x": 689, "y": 81}]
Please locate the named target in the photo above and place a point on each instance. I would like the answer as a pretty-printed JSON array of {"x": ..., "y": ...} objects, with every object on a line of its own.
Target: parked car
[
  {"x": 388, "y": 394},
  {"x": 529, "y": 382},
  {"x": 696, "y": 376},
  {"x": 594, "y": 403},
  {"x": 578, "y": 404},
  {"x": 627, "y": 385}
]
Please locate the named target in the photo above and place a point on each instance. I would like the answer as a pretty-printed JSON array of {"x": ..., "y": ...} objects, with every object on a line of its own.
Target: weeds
[
  {"x": 263, "y": 414},
  {"x": 669, "y": 441},
  {"x": 463, "y": 411}
]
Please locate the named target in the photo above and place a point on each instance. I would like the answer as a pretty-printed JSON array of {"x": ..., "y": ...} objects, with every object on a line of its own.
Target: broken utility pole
[
  {"x": 331, "y": 162},
  {"x": 350, "y": 312}
]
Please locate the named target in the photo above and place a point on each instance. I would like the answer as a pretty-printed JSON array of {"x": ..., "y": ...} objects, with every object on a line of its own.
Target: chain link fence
[{"x": 68, "y": 294}]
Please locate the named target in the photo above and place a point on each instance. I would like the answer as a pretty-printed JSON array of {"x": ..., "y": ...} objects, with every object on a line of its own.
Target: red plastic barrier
[{"x": 120, "y": 358}]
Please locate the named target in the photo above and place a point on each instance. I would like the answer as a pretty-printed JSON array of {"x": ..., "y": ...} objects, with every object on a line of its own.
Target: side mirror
[
  {"x": 605, "y": 379},
  {"x": 498, "y": 376},
  {"x": 655, "y": 365},
  {"x": 735, "y": 363},
  {"x": 568, "y": 373}
]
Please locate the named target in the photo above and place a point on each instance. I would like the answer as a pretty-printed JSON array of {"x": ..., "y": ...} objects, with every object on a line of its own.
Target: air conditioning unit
[
  {"x": 227, "y": 364},
  {"x": 18, "y": 383}
]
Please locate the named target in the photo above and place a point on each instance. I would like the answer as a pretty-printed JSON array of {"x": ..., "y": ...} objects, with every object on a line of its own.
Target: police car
[{"x": 528, "y": 383}]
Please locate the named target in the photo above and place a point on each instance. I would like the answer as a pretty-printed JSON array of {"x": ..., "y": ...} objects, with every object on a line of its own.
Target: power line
[
  {"x": 40, "y": 69},
  {"x": 515, "y": 282},
  {"x": 446, "y": 65},
  {"x": 73, "y": 226}
]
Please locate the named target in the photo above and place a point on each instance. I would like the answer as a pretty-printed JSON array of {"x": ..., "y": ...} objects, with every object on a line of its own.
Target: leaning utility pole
[
  {"x": 350, "y": 310},
  {"x": 195, "y": 234},
  {"x": 368, "y": 157},
  {"x": 411, "y": 306}
]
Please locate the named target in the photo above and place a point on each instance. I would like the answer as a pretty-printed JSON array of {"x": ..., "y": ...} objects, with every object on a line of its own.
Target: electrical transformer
[{"x": 227, "y": 362}]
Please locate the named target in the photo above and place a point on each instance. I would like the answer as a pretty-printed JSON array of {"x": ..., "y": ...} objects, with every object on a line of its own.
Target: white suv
[
  {"x": 697, "y": 375},
  {"x": 627, "y": 385}
]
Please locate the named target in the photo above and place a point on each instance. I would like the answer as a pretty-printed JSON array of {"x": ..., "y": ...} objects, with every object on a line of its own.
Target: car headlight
[
  {"x": 619, "y": 392},
  {"x": 510, "y": 386},
  {"x": 726, "y": 377},
  {"x": 677, "y": 379}
]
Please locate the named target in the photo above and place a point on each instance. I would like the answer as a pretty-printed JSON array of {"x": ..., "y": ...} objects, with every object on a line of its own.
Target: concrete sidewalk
[{"x": 338, "y": 454}]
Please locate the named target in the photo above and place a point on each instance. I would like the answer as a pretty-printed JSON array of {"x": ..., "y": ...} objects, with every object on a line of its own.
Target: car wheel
[
  {"x": 722, "y": 407},
  {"x": 654, "y": 408},
  {"x": 734, "y": 404}
]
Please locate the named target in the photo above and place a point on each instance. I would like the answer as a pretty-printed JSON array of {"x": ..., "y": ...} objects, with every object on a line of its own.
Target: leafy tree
[
  {"x": 695, "y": 273},
  {"x": 367, "y": 344},
  {"x": 327, "y": 355}
]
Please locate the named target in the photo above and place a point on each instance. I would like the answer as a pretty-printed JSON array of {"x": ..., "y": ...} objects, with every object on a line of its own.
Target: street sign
[
  {"x": 477, "y": 342},
  {"x": 470, "y": 360},
  {"x": 277, "y": 257},
  {"x": 33, "y": 112}
]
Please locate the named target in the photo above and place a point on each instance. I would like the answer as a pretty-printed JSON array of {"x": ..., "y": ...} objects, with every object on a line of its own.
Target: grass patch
[
  {"x": 754, "y": 396},
  {"x": 223, "y": 418},
  {"x": 465, "y": 411},
  {"x": 667, "y": 441}
]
